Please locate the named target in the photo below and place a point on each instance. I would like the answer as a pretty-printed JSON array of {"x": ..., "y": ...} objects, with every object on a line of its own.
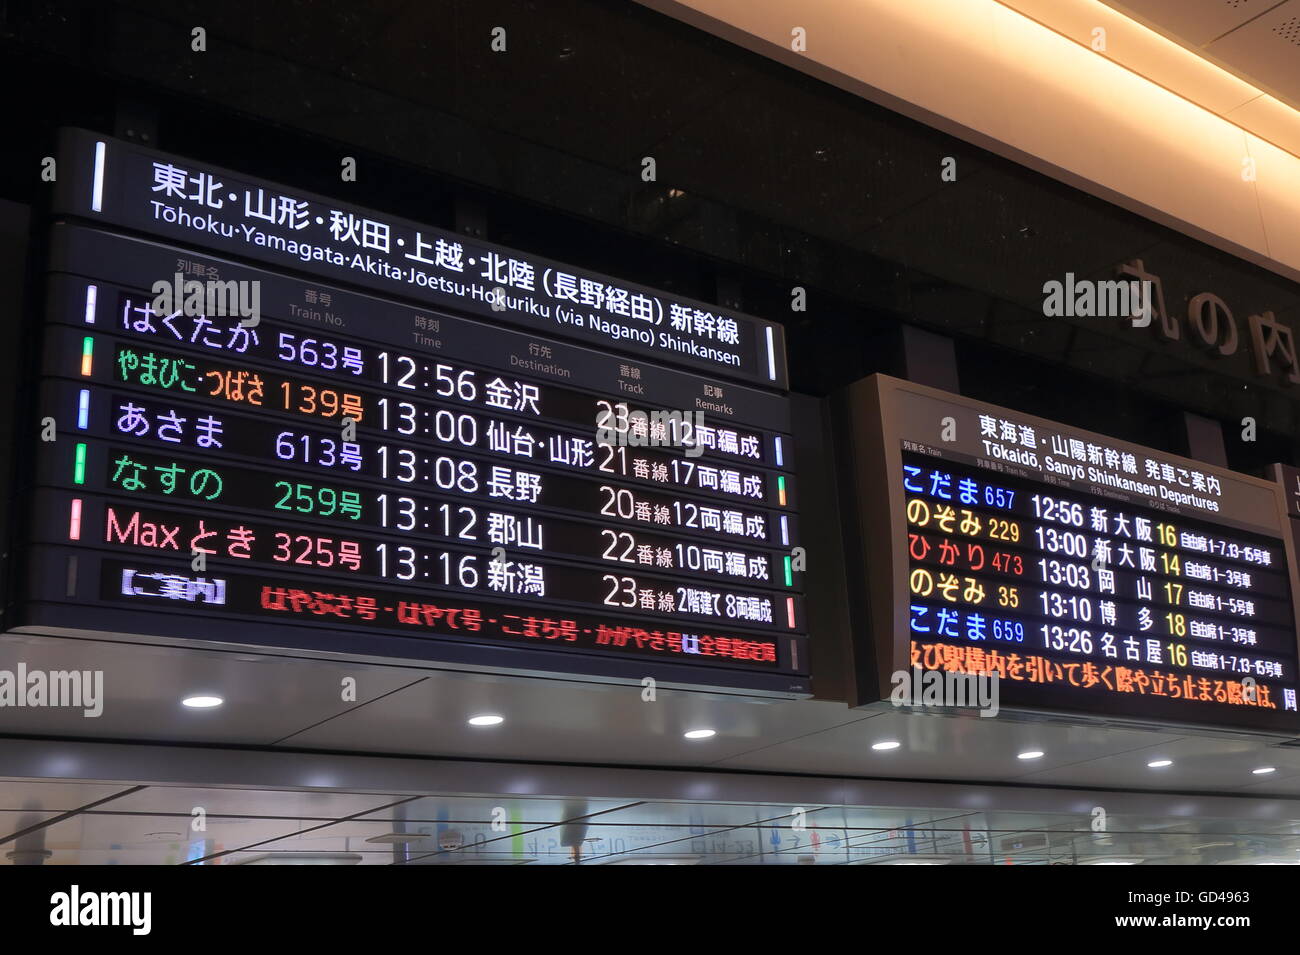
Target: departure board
[
  {"x": 360, "y": 474},
  {"x": 1091, "y": 576}
]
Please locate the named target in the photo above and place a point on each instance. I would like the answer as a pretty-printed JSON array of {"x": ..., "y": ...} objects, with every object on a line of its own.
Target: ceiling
[
  {"x": 288, "y": 703},
  {"x": 1258, "y": 40}
]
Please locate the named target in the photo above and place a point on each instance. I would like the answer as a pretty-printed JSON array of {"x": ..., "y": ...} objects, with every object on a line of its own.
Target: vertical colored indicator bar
[
  {"x": 83, "y": 409},
  {"x": 789, "y": 564},
  {"x": 97, "y": 196},
  {"x": 789, "y": 611},
  {"x": 780, "y": 481},
  {"x": 780, "y": 456},
  {"x": 92, "y": 294},
  {"x": 79, "y": 471},
  {"x": 87, "y": 355},
  {"x": 785, "y": 531},
  {"x": 74, "y": 520},
  {"x": 771, "y": 355}
]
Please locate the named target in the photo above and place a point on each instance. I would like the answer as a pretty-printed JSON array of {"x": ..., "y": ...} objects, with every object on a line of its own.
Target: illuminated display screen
[
  {"x": 354, "y": 474},
  {"x": 1090, "y": 575},
  {"x": 116, "y": 182}
]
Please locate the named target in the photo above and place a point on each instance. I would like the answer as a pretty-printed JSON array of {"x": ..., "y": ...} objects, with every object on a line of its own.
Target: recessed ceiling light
[
  {"x": 1031, "y": 754},
  {"x": 1264, "y": 770},
  {"x": 202, "y": 702},
  {"x": 487, "y": 719},
  {"x": 1159, "y": 763},
  {"x": 700, "y": 734},
  {"x": 887, "y": 744}
]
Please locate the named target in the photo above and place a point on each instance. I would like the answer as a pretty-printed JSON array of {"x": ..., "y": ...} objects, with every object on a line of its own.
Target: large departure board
[
  {"x": 386, "y": 475},
  {"x": 1093, "y": 577}
]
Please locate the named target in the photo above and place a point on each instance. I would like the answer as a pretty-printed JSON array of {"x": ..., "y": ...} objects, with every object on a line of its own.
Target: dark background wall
[{"x": 766, "y": 180}]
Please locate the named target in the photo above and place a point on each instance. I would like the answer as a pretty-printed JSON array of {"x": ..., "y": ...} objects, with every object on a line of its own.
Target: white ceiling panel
[
  {"x": 1257, "y": 40},
  {"x": 941, "y": 747},
  {"x": 1203, "y": 764},
  {"x": 548, "y": 719},
  {"x": 1267, "y": 49},
  {"x": 1195, "y": 22},
  {"x": 267, "y": 697}
]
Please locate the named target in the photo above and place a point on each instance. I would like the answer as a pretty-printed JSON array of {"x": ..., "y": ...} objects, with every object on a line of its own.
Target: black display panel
[
  {"x": 1092, "y": 576},
  {"x": 363, "y": 475},
  {"x": 112, "y": 181}
]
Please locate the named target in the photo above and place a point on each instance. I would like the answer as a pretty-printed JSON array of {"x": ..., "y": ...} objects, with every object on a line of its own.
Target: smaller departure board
[{"x": 1092, "y": 576}]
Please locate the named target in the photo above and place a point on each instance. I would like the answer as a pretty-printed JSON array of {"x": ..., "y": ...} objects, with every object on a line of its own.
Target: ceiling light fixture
[
  {"x": 202, "y": 702},
  {"x": 1031, "y": 754},
  {"x": 886, "y": 744},
  {"x": 700, "y": 734},
  {"x": 487, "y": 719}
]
